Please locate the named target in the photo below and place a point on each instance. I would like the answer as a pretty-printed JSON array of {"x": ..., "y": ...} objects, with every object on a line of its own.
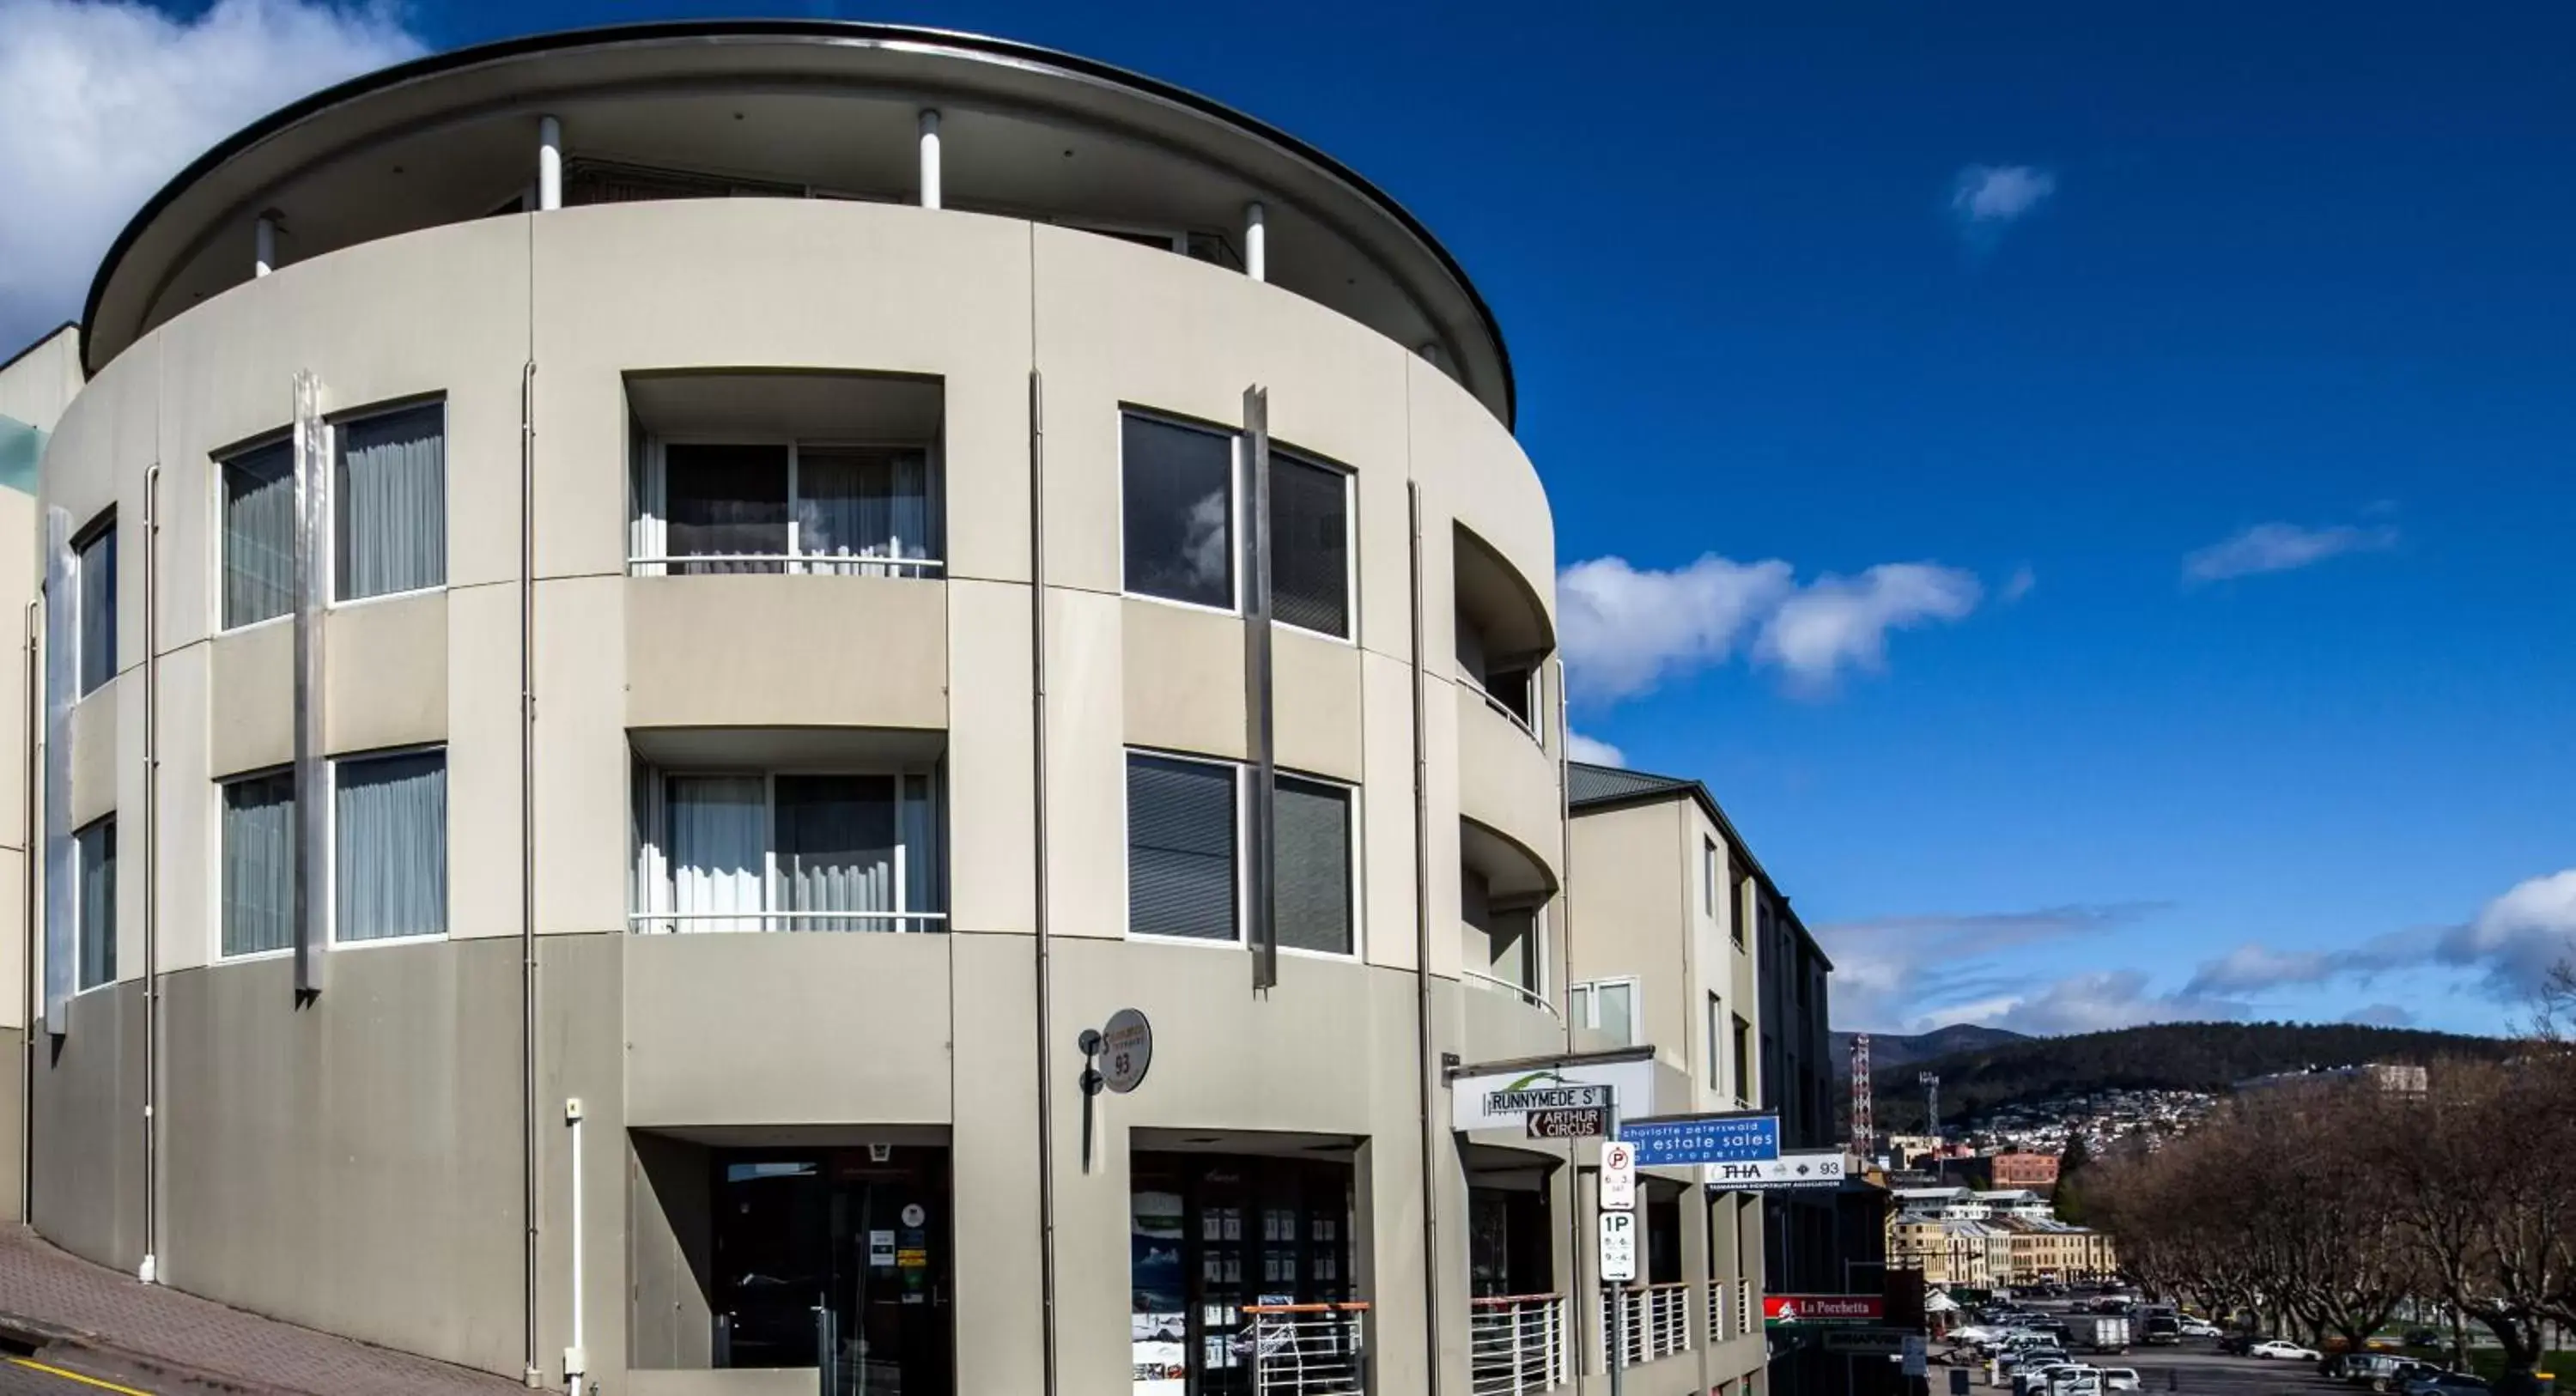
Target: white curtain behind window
[
  {"x": 390, "y": 831},
  {"x": 719, "y": 833},
  {"x": 259, "y": 534},
  {"x": 836, "y": 837},
  {"x": 862, "y": 504},
  {"x": 392, "y": 502},
  {"x": 259, "y": 864}
]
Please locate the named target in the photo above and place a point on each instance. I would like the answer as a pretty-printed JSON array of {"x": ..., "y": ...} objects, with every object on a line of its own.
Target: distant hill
[
  {"x": 2163, "y": 1056},
  {"x": 1887, "y": 1050}
]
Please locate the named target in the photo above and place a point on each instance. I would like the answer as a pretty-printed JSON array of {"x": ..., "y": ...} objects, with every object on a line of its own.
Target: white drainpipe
[
  {"x": 1256, "y": 242},
  {"x": 575, "y": 1359},
  {"x": 549, "y": 163},
  {"x": 263, "y": 257}
]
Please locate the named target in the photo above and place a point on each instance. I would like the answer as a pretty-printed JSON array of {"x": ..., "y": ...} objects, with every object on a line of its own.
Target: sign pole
[{"x": 1617, "y": 1358}]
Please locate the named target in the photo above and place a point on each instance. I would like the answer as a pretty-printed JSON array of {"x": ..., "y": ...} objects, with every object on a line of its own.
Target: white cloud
[
  {"x": 1986, "y": 199},
  {"x": 2253, "y": 969},
  {"x": 2282, "y": 547},
  {"x": 2517, "y": 938},
  {"x": 2097, "y": 1002},
  {"x": 1842, "y": 622},
  {"x": 1913, "y": 973},
  {"x": 1627, "y": 629},
  {"x": 106, "y": 101},
  {"x": 1595, "y": 752}
]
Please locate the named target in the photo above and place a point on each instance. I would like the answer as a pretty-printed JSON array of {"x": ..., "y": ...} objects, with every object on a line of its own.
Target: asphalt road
[
  {"x": 2197, "y": 1367},
  {"x": 27, "y": 1376}
]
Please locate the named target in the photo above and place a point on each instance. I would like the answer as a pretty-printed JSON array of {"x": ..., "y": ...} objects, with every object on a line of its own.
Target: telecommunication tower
[{"x": 1931, "y": 1102}]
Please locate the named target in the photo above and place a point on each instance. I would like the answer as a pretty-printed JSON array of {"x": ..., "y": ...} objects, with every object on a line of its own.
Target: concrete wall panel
[
  {"x": 250, "y": 718},
  {"x": 89, "y": 1136},
  {"x": 385, "y": 673},
  {"x": 779, "y": 651},
  {"x": 992, "y": 796}
]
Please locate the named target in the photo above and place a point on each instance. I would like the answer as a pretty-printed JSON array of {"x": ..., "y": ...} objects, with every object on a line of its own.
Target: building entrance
[
  {"x": 1212, "y": 1233},
  {"x": 836, "y": 1259}
]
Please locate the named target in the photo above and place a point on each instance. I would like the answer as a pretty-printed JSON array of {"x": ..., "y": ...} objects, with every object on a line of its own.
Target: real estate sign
[
  {"x": 1735, "y": 1137},
  {"x": 1809, "y": 1170}
]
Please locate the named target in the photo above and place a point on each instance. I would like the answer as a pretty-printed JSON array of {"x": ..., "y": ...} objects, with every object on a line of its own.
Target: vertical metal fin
[
  {"x": 1262, "y": 843},
  {"x": 312, "y": 775},
  {"x": 62, "y": 690}
]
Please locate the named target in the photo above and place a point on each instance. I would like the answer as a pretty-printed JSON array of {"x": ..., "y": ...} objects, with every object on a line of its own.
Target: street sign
[
  {"x": 1497, "y": 1096},
  {"x": 1579, "y": 1122},
  {"x": 1867, "y": 1342},
  {"x": 1618, "y": 1247},
  {"x": 1618, "y": 1176},
  {"x": 1736, "y": 1137},
  {"x": 1823, "y": 1308},
  {"x": 1788, "y": 1171},
  {"x": 1126, "y": 1050}
]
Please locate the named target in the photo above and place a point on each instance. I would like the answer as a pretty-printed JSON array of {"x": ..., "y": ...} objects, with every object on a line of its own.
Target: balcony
[
  {"x": 803, "y": 850},
  {"x": 1516, "y": 1344},
  {"x": 806, "y": 474},
  {"x": 1657, "y": 1318}
]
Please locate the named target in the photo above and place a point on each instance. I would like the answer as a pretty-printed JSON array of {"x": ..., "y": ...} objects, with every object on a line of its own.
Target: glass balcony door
[{"x": 796, "y": 851}]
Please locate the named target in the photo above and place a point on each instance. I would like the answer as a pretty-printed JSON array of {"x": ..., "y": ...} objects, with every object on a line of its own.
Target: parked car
[
  {"x": 2160, "y": 1330},
  {"x": 2122, "y": 1379},
  {"x": 2287, "y": 1351},
  {"x": 2200, "y": 1328},
  {"x": 2444, "y": 1383},
  {"x": 2386, "y": 1371}
]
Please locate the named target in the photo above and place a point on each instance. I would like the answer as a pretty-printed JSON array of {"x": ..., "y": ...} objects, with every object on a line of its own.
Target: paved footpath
[{"x": 81, "y": 1327}]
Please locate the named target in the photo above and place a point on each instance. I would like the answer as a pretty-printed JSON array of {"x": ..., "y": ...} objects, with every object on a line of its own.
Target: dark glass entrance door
[
  {"x": 836, "y": 1259},
  {"x": 1212, "y": 1233}
]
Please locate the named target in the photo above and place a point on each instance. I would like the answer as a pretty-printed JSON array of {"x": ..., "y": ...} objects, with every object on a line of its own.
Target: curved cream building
[{"x": 643, "y": 628}]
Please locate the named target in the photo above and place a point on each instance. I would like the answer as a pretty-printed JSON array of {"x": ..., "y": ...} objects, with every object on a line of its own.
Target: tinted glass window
[
  {"x": 1314, "y": 891},
  {"x": 259, "y": 534},
  {"x": 1179, "y": 511},
  {"x": 97, "y": 584},
  {"x": 1180, "y": 849},
  {"x": 1309, "y": 546}
]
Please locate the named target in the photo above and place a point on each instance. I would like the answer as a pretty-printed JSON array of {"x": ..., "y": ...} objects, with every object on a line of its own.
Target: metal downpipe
[
  {"x": 27, "y": 944},
  {"x": 149, "y": 1272},
  {"x": 1045, "y": 966},
  {"x": 535, "y": 1374},
  {"x": 1426, "y": 1062}
]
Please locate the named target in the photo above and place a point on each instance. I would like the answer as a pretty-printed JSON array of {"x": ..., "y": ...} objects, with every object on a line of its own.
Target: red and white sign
[{"x": 1823, "y": 1308}]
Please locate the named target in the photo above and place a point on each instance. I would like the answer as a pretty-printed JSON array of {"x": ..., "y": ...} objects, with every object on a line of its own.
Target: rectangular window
[
  {"x": 802, "y": 507},
  {"x": 1310, "y": 545},
  {"x": 94, "y": 920},
  {"x": 1313, "y": 901},
  {"x": 1716, "y": 1043},
  {"x": 792, "y": 851},
  {"x": 1178, "y": 511},
  {"x": 1606, "y": 1005},
  {"x": 1743, "y": 1061},
  {"x": 95, "y": 570},
  {"x": 389, "y": 846},
  {"x": 259, "y": 534},
  {"x": 1741, "y": 908},
  {"x": 727, "y": 507},
  {"x": 259, "y": 863},
  {"x": 389, "y": 502},
  {"x": 1181, "y": 844}
]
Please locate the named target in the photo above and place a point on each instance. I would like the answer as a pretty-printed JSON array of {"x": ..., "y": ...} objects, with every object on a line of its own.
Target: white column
[
  {"x": 263, "y": 257},
  {"x": 1256, "y": 242},
  {"x": 549, "y": 163},
  {"x": 929, "y": 158}
]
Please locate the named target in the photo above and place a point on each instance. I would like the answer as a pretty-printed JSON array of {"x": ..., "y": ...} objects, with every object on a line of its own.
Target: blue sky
[{"x": 2089, "y": 489}]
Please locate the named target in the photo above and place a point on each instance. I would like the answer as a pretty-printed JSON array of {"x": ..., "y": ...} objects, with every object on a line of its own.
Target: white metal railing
[
  {"x": 1306, "y": 1349},
  {"x": 1532, "y": 997},
  {"x": 1658, "y": 1321},
  {"x": 1498, "y": 705},
  {"x": 797, "y": 564},
  {"x": 1516, "y": 1344},
  {"x": 1748, "y": 1314},
  {"x": 708, "y": 922},
  {"x": 1717, "y": 1329}
]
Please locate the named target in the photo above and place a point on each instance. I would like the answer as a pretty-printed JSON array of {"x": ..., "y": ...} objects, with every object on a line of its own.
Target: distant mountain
[
  {"x": 2163, "y": 1056},
  {"x": 1887, "y": 1049}
]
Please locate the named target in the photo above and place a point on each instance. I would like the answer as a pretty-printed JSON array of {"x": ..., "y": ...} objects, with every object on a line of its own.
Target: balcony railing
[
  {"x": 1717, "y": 1330},
  {"x": 1658, "y": 1321},
  {"x": 1748, "y": 1315},
  {"x": 1532, "y": 997},
  {"x": 797, "y": 564},
  {"x": 718, "y": 922},
  {"x": 1516, "y": 1344},
  {"x": 1307, "y": 1349}
]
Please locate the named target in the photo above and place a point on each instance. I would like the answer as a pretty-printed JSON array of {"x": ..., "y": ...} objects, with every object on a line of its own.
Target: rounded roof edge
[{"x": 529, "y": 45}]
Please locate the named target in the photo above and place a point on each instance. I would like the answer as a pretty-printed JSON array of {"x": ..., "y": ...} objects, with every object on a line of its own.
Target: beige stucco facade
[
  {"x": 1661, "y": 901},
  {"x": 352, "y": 1160}
]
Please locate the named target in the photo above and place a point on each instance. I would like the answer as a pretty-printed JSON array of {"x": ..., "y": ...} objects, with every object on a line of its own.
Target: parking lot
[{"x": 2197, "y": 1367}]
